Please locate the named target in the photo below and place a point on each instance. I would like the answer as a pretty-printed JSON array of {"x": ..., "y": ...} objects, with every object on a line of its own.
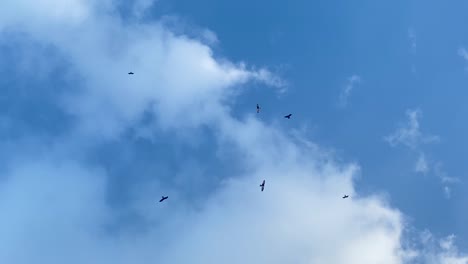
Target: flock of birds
[{"x": 262, "y": 186}]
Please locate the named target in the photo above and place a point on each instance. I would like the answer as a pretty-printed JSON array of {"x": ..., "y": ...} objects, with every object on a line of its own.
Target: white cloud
[
  {"x": 210, "y": 37},
  {"x": 55, "y": 201},
  {"x": 181, "y": 26},
  {"x": 448, "y": 192},
  {"x": 175, "y": 75},
  {"x": 462, "y": 52},
  {"x": 441, "y": 251},
  {"x": 445, "y": 179},
  {"x": 57, "y": 212},
  {"x": 47, "y": 13},
  {"x": 346, "y": 91},
  {"x": 439, "y": 171},
  {"x": 421, "y": 165},
  {"x": 409, "y": 134},
  {"x": 140, "y": 6}
]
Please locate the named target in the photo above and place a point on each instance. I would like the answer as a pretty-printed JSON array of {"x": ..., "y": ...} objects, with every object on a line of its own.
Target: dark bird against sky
[{"x": 263, "y": 185}]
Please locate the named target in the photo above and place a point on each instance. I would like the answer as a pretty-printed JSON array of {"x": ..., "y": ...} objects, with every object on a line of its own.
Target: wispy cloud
[
  {"x": 180, "y": 26},
  {"x": 347, "y": 89},
  {"x": 440, "y": 251},
  {"x": 462, "y": 52},
  {"x": 410, "y": 136},
  {"x": 443, "y": 175},
  {"x": 448, "y": 192},
  {"x": 421, "y": 164},
  {"x": 445, "y": 179}
]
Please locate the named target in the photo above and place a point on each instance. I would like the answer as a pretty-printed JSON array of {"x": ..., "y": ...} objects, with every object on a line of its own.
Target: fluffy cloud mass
[{"x": 57, "y": 190}]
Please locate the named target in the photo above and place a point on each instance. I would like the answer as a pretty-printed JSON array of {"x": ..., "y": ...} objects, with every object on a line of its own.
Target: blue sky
[
  {"x": 406, "y": 54},
  {"x": 376, "y": 91}
]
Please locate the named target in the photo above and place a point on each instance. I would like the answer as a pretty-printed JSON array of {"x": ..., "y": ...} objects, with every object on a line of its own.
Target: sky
[{"x": 375, "y": 88}]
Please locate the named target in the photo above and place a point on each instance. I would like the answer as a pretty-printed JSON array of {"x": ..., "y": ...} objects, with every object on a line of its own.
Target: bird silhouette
[
  {"x": 258, "y": 109},
  {"x": 263, "y": 185},
  {"x": 346, "y": 196},
  {"x": 288, "y": 116},
  {"x": 130, "y": 73},
  {"x": 163, "y": 198}
]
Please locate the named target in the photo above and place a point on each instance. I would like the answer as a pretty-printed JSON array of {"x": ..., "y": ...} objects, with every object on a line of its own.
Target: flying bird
[
  {"x": 163, "y": 198},
  {"x": 130, "y": 73},
  {"x": 258, "y": 109},
  {"x": 346, "y": 196},
  {"x": 263, "y": 185},
  {"x": 288, "y": 116}
]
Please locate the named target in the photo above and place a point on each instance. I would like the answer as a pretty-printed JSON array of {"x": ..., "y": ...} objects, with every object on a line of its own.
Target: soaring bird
[
  {"x": 288, "y": 116},
  {"x": 163, "y": 198},
  {"x": 346, "y": 196},
  {"x": 130, "y": 73},
  {"x": 263, "y": 185},
  {"x": 258, "y": 109}
]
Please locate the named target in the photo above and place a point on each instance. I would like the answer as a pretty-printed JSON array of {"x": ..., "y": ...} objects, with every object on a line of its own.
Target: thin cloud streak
[
  {"x": 410, "y": 136},
  {"x": 346, "y": 91}
]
